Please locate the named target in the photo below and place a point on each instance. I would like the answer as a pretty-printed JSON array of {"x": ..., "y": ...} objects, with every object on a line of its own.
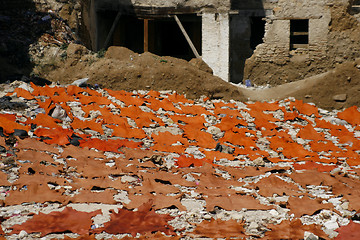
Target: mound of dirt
[
  {"x": 122, "y": 69},
  {"x": 337, "y": 90}
]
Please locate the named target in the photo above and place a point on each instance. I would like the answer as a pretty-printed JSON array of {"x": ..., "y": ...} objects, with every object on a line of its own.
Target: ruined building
[{"x": 267, "y": 41}]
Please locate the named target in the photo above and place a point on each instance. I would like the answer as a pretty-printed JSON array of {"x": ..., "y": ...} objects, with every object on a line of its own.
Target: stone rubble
[{"x": 190, "y": 192}]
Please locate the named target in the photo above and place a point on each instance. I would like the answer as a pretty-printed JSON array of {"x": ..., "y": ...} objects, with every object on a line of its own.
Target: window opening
[
  {"x": 355, "y": 7},
  {"x": 299, "y": 33}
]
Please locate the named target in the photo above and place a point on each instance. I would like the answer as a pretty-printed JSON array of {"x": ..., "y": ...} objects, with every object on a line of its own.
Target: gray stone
[
  {"x": 125, "y": 179},
  {"x": 253, "y": 225},
  {"x": 310, "y": 236},
  {"x": 193, "y": 205},
  {"x": 215, "y": 131},
  {"x": 22, "y": 234},
  {"x": 331, "y": 225},
  {"x": 340, "y": 97},
  {"x": 80, "y": 82},
  {"x": 259, "y": 162},
  {"x": 345, "y": 205}
]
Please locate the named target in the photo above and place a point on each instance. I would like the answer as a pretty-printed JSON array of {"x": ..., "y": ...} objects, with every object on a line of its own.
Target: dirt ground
[
  {"x": 52, "y": 58},
  {"x": 122, "y": 69},
  {"x": 324, "y": 89}
]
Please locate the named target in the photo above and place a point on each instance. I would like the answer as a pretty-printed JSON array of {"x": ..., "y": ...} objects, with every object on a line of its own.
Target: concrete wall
[{"x": 216, "y": 43}]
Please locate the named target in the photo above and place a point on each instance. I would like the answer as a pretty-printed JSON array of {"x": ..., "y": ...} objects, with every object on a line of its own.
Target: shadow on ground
[{"x": 20, "y": 26}]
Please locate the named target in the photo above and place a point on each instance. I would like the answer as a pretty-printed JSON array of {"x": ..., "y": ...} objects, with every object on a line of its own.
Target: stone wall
[{"x": 274, "y": 63}]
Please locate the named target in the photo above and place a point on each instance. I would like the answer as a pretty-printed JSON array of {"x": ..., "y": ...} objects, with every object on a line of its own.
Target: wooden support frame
[
  {"x": 187, "y": 37},
  {"x": 146, "y": 35},
  {"x": 111, "y": 32}
]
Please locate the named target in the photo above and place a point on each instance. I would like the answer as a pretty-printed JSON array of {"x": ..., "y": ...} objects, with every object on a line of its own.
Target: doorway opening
[
  {"x": 159, "y": 35},
  {"x": 257, "y": 31}
]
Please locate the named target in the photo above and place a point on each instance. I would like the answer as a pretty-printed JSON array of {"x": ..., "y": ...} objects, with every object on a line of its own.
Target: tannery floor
[{"x": 80, "y": 163}]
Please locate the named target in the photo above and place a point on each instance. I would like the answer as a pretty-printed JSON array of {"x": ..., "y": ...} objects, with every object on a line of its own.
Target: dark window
[{"x": 299, "y": 34}]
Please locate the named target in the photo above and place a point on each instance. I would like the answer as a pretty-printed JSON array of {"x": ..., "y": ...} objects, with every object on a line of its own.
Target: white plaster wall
[{"x": 215, "y": 43}]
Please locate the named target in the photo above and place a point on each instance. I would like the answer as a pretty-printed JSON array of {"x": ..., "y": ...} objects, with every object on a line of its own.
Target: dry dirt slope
[
  {"x": 121, "y": 69},
  {"x": 336, "y": 89}
]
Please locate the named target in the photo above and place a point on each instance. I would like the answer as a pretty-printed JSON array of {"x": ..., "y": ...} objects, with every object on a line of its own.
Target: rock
[
  {"x": 126, "y": 178},
  {"x": 310, "y": 236},
  {"x": 224, "y": 149},
  {"x": 80, "y": 83},
  {"x": 215, "y": 131},
  {"x": 340, "y": 97},
  {"x": 331, "y": 225},
  {"x": 253, "y": 226},
  {"x": 274, "y": 213},
  {"x": 193, "y": 205},
  {"x": 20, "y": 133},
  {"x": 259, "y": 162},
  {"x": 22, "y": 234},
  {"x": 74, "y": 140},
  {"x": 122, "y": 197},
  {"x": 345, "y": 205},
  {"x": 59, "y": 113}
]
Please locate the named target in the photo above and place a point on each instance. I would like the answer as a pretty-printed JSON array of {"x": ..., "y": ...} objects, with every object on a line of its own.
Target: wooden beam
[
  {"x": 146, "y": 35},
  {"x": 111, "y": 32},
  {"x": 187, "y": 37}
]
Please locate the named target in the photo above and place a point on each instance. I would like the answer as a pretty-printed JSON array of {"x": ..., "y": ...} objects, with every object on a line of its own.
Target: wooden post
[
  {"x": 111, "y": 32},
  {"x": 187, "y": 37},
  {"x": 146, "y": 35}
]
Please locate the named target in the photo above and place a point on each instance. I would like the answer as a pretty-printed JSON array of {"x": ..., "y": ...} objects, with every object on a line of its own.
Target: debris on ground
[{"x": 280, "y": 170}]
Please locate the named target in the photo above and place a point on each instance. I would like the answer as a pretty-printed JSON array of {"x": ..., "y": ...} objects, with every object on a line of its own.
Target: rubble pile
[
  {"x": 25, "y": 34},
  {"x": 101, "y": 164}
]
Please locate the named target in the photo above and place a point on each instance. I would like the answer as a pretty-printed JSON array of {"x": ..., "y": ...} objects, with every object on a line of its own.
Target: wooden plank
[
  {"x": 146, "y": 35},
  {"x": 299, "y": 33},
  {"x": 111, "y": 32},
  {"x": 187, "y": 37}
]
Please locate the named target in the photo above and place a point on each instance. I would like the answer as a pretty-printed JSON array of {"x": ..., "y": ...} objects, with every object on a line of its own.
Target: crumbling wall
[{"x": 274, "y": 63}]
